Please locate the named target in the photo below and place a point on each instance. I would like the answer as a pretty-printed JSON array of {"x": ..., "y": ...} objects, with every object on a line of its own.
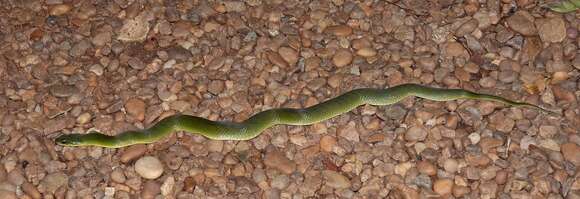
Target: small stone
[
  {"x": 426, "y": 167},
  {"x": 277, "y": 59},
  {"x": 216, "y": 87},
  {"x": 416, "y": 133},
  {"x": 488, "y": 143},
  {"x": 215, "y": 146},
  {"x": 327, "y": 143},
  {"x": 134, "y": 29},
  {"x": 349, "y": 132},
  {"x": 443, "y": 186},
  {"x": 474, "y": 137},
  {"x": 280, "y": 182},
  {"x": 366, "y": 52},
  {"x": 59, "y": 10},
  {"x": 548, "y": 131},
  {"x": 467, "y": 28},
  {"x": 571, "y": 153},
  {"x": 451, "y": 165},
  {"x": 133, "y": 152},
  {"x": 551, "y": 29},
  {"x": 80, "y": 48},
  {"x": 53, "y": 181},
  {"x": 8, "y": 194},
  {"x": 339, "y": 30},
  {"x": 289, "y": 55},
  {"x": 335, "y": 180},
  {"x": 97, "y": 69},
  {"x": 136, "y": 63},
  {"x": 31, "y": 190},
  {"x": 523, "y": 23},
  {"x": 118, "y": 176},
  {"x": 277, "y": 160},
  {"x": 84, "y": 118},
  {"x": 342, "y": 57},
  {"x": 150, "y": 189},
  {"x": 549, "y": 144},
  {"x": 454, "y": 49},
  {"x": 63, "y": 90},
  {"x": 149, "y": 167},
  {"x": 167, "y": 186},
  {"x": 136, "y": 108},
  {"x": 502, "y": 123}
]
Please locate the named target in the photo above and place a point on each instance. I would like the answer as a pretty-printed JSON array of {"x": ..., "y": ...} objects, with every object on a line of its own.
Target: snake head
[{"x": 69, "y": 140}]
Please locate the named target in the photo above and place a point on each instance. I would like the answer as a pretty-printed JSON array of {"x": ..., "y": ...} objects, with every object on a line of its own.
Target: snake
[{"x": 257, "y": 123}]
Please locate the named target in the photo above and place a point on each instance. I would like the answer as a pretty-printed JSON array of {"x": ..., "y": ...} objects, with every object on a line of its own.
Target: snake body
[{"x": 253, "y": 126}]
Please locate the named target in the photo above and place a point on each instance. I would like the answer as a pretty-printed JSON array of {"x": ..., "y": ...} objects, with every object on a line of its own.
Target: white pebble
[{"x": 149, "y": 167}]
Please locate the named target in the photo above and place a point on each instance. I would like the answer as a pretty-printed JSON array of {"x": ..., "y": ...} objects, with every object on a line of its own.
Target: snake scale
[{"x": 253, "y": 126}]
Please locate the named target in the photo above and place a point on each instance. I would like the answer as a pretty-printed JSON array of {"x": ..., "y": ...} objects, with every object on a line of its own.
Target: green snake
[{"x": 252, "y": 127}]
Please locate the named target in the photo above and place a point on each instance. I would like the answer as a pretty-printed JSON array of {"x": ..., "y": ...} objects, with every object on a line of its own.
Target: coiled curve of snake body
[{"x": 253, "y": 126}]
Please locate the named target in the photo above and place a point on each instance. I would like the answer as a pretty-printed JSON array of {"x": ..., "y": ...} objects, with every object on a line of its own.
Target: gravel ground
[{"x": 71, "y": 65}]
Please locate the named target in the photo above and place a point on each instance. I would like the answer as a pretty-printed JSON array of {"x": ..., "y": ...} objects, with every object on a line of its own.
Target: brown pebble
[
  {"x": 460, "y": 191},
  {"x": 61, "y": 9},
  {"x": 443, "y": 186},
  {"x": 277, "y": 160},
  {"x": 133, "y": 152},
  {"x": 342, "y": 57},
  {"x": 289, "y": 55},
  {"x": 31, "y": 190},
  {"x": 327, "y": 143},
  {"x": 340, "y": 30},
  {"x": 150, "y": 189},
  {"x": 501, "y": 177},
  {"x": 571, "y": 152},
  {"x": 276, "y": 59},
  {"x": 426, "y": 167},
  {"x": 366, "y": 52},
  {"x": 7, "y": 194},
  {"x": 136, "y": 108}
]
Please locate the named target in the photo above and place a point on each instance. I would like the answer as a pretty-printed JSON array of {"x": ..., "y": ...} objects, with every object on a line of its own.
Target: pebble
[
  {"x": 51, "y": 182},
  {"x": 149, "y": 167},
  {"x": 134, "y": 29},
  {"x": 416, "y": 133},
  {"x": 133, "y": 152},
  {"x": 80, "y": 48},
  {"x": 451, "y": 165},
  {"x": 277, "y": 160},
  {"x": 426, "y": 167},
  {"x": 551, "y": 29},
  {"x": 31, "y": 190},
  {"x": 289, "y": 55},
  {"x": 59, "y": 10},
  {"x": 349, "y": 132},
  {"x": 366, "y": 52},
  {"x": 167, "y": 186},
  {"x": 277, "y": 59},
  {"x": 335, "y": 180},
  {"x": 215, "y": 146},
  {"x": 280, "y": 182},
  {"x": 523, "y": 23},
  {"x": 63, "y": 90},
  {"x": 443, "y": 187},
  {"x": 342, "y": 57},
  {"x": 571, "y": 153},
  {"x": 467, "y": 28},
  {"x": 8, "y": 194},
  {"x": 339, "y": 30},
  {"x": 136, "y": 63},
  {"x": 118, "y": 176},
  {"x": 327, "y": 143},
  {"x": 150, "y": 189},
  {"x": 136, "y": 108}
]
